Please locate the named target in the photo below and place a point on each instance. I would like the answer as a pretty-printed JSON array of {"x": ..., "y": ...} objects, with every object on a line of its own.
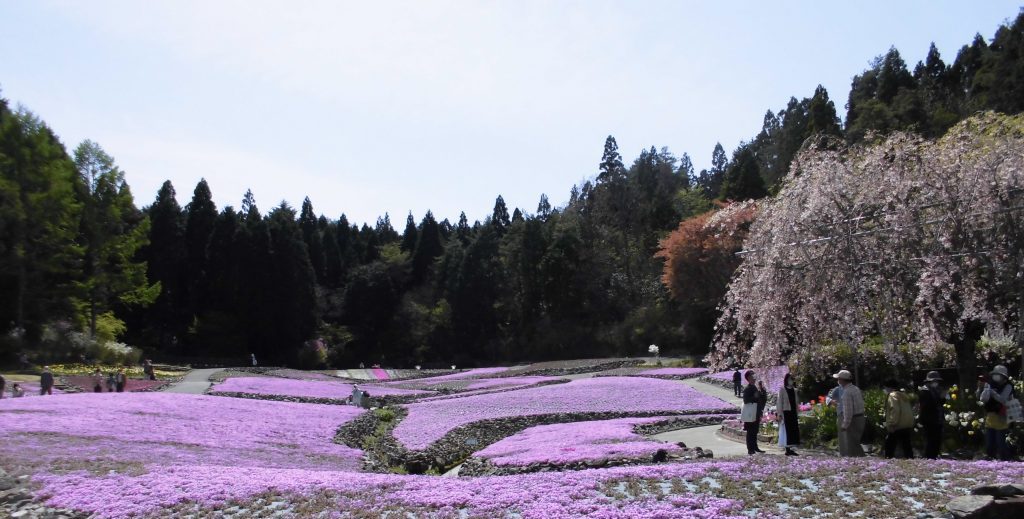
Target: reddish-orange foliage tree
[{"x": 700, "y": 258}]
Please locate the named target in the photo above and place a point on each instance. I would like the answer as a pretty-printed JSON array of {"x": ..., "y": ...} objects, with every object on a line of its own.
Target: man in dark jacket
[
  {"x": 932, "y": 398},
  {"x": 737, "y": 383},
  {"x": 46, "y": 382},
  {"x": 755, "y": 399}
]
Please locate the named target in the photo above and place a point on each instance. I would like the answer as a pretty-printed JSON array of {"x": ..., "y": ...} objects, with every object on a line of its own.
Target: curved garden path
[{"x": 196, "y": 382}]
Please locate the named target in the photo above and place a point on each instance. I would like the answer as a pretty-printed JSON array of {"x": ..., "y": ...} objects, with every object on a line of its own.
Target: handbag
[
  {"x": 1014, "y": 413},
  {"x": 749, "y": 413}
]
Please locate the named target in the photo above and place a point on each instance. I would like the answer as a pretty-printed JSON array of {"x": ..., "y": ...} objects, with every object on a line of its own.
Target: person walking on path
[
  {"x": 46, "y": 382},
  {"x": 994, "y": 396},
  {"x": 97, "y": 381},
  {"x": 753, "y": 403},
  {"x": 932, "y": 399},
  {"x": 120, "y": 379},
  {"x": 3, "y": 385},
  {"x": 899, "y": 420},
  {"x": 789, "y": 424},
  {"x": 737, "y": 383},
  {"x": 147, "y": 369},
  {"x": 851, "y": 416}
]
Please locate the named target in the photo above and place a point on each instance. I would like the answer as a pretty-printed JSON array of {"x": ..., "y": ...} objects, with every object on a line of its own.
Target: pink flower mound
[
  {"x": 303, "y": 388},
  {"x": 772, "y": 377},
  {"x": 380, "y": 374},
  {"x": 473, "y": 373},
  {"x": 428, "y": 422},
  {"x": 676, "y": 372},
  {"x": 576, "y": 441},
  {"x": 155, "y": 430},
  {"x": 507, "y": 382}
]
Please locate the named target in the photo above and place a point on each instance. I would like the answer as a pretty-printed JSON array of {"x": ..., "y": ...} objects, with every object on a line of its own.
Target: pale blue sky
[{"x": 369, "y": 107}]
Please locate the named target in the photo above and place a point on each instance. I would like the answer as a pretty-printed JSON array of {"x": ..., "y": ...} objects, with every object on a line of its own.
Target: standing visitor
[
  {"x": 46, "y": 382},
  {"x": 851, "y": 416},
  {"x": 737, "y": 383},
  {"x": 994, "y": 396},
  {"x": 789, "y": 424},
  {"x": 899, "y": 420},
  {"x": 932, "y": 399},
  {"x": 119, "y": 380},
  {"x": 110, "y": 382},
  {"x": 253, "y": 359},
  {"x": 753, "y": 402},
  {"x": 3, "y": 385},
  {"x": 16, "y": 390},
  {"x": 147, "y": 369},
  {"x": 97, "y": 381}
]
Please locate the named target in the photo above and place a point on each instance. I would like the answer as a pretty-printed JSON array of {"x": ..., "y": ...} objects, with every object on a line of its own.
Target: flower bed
[
  {"x": 84, "y": 383},
  {"x": 302, "y": 375},
  {"x": 674, "y": 373},
  {"x": 143, "y": 432},
  {"x": 571, "y": 367},
  {"x": 762, "y": 487},
  {"x": 772, "y": 378},
  {"x": 320, "y": 389},
  {"x": 428, "y": 422}
]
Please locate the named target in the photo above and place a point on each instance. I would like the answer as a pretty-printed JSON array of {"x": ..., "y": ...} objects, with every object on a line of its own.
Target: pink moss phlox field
[
  {"x": 473, "y": 373},
  {"x": 428, "y": 422},
  {"x": 165, "y": 429},
  {"x": 676, "y": 372},
  {"x": 575, "y": 441},
  {"x": 600, "y": 493},
  {"x": 380, "y": 374},
  {"x": 506, "y": 382},
  {"x": 304, "y": 388},
  {"x": 772, "y": 377},
  {"x": 301, "y": 375}
]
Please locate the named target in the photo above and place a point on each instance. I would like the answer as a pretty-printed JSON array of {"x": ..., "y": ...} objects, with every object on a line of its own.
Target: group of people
[
  {"x": 114, "y": 381},
  {"x": 755, "y": 398},
  {"x": 16, "y": 389},
  {"x": 994, "y": 393}
]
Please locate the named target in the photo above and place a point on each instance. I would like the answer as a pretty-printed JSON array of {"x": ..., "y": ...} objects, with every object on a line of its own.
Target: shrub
[{"x": 313, "y": 355}]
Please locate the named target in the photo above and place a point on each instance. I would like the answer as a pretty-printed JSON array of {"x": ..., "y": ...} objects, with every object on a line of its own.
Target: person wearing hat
[
  {"x": 851, "y": 416},
  {"x": 932, "y": 398},
  {"x": 899, "y": 420},
  {"x": 994, "y": 395}
]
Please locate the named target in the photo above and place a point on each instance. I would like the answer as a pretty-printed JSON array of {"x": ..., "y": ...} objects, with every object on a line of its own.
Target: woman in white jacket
[{"x": 788, "y": 407}]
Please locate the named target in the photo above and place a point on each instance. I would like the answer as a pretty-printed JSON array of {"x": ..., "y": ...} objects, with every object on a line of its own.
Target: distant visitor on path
[
  {"x": 17, "y": 391},
  {"x": 899, "y": 420},
  {"x": 994, "y": 397},
  {"x": 253, "y": 359},
  {"x": 789, "y": 424},
  {"x": 46, "y": 382},
  {"x": 932, "y": 399},
  {"x": 754, "y": 400},
  {"x": 3, "y": 385},
  {"x": 120, "y": 379},
  {"x": 850, "y": 421},
  {"x": 147, "y": 369},
  {"x": 97, "y": 381},
  {"x": 110, "y": 382},
  {"x": 737, "y": 383}
]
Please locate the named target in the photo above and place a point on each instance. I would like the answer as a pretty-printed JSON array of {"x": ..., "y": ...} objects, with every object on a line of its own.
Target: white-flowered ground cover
[
  {"x": 141, "y": 432},
  {"x": 762, "y": 487},
  {"x": 575, "y": 441},
  {"x": 273, "y": 386},
  {"x": 428, "y": 422}
]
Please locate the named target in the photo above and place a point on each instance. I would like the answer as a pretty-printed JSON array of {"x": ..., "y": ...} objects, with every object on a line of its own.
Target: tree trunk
[{"x": 967, "y": 360}]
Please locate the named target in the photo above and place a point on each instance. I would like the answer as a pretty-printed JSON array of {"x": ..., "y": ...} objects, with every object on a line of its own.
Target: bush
[
  {"x": 819, "y": 427},
  {"x": 114, "y": 353},
  {"x": 313, "y": 355}
]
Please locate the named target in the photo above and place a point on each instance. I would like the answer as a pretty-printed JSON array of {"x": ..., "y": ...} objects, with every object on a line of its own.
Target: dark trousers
[
  {"x": 120, "y": 387},
  {"x": 46, "y": 390},
  {"x": 901, "y": 438},
  {"x": 97, "y": 389},
  {"x": 932, "y": 440},
  {"x": 995, "y": 444},
  {"x": 737, "y": 388},
  {"x": 752, "y": 429}
]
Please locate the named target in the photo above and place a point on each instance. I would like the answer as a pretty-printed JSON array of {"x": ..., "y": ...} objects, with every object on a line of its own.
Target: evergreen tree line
[{"x": 558, "y": 282}]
